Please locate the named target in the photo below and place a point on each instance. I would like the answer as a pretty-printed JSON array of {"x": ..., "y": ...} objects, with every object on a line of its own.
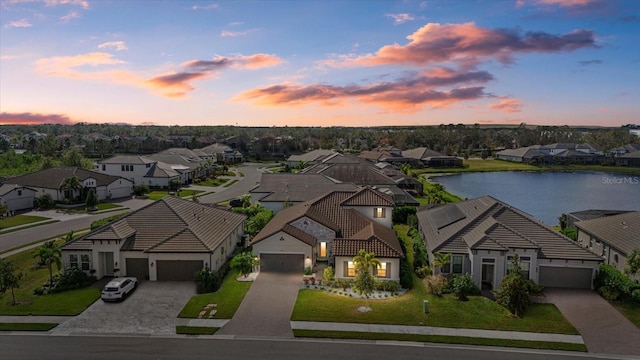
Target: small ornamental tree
[
  {"x": 513, "y": 293},
  {"x": 92, "y": 200},
  {"x": 633, "y": 263},
  {"x": 10, "y": 277},
  {"x": 441, "y": 260},
  {"x": 49, "y": 254},
  {"x": 328, "y": 275},
  {"x": 364, "y": 282},
  {"x": 244, "y": 263}
]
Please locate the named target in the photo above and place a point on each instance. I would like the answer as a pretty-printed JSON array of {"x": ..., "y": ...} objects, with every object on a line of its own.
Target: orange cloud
[
  {"x": 508, "y": 105},
  {"x": 468, "y": 43},
  {"x": 408, "y": 94},
  {"x": 28, "y": 118},
  {"x": 252, "y": 62},
  {"x": 175, "y": 85}
]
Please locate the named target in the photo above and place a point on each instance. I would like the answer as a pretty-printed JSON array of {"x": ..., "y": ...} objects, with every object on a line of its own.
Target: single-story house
[
  {"x": 525, "y": 155},
  {"x": 309, "y": 158},
  {"x": 483, "y": 234},
  {"x": 49, "y": 181},
  {"x": 170, "y": 239},
  {"x": 631, "y": 159},
  {"x": 613, "y": 237},
  {"x": 431, "y": 158},
  {"x": 17, "y": 197},
  {"x": 331, "y": 229}
]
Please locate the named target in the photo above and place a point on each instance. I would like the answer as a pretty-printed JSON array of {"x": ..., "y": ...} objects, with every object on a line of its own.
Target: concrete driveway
[
  {"x": 603, "y": 328},
  {"x": 151, "y": 309},
  {"x": 267, "y": 307}
]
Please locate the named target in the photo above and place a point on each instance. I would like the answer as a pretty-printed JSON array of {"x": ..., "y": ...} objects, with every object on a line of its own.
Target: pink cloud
[
  {"x": 71, "y": 15},
  {"x": 28, "y": 118},
  {"x": 24, "y": 23},
  {"x": 400, "y": 18},
  {"x": 255, "y": 61},
  {"x": 508, "y": 106},
  {"x": 82, "y": 3},
  {"x": 175, "y": 85},
  {"x": 468, "y": 43}
]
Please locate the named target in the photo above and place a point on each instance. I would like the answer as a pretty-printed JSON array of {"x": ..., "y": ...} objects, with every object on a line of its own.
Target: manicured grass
[
  {"x": 446, "y": 311},
  {"x": 446, "y": 196},
  {"x": 27, "y": 326},
  {"x": 440, "y": 339},
  {"x": 630, "y": 311},
  {"x": 108, "y": 206},
  {"x": 227, "y": 298},
  {"x": 231, "y": 182},
  {"x": 213, "y": 182},
  {"x": 229, "y": 173},
  {"x": 159, "y": 194},
  {"x": 65, "y": 303},
  {"x": 9, "y": 230},
  {"x": 20, "y": 220},
  {"x": 196, "y": 330}
]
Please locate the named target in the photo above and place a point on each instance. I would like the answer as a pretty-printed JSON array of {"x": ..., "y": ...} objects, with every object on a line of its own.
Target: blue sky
[{"x": 320, "y": 63}]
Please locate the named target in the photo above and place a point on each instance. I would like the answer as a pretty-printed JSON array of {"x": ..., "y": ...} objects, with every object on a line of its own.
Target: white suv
[{"x": 119, "y": 288}]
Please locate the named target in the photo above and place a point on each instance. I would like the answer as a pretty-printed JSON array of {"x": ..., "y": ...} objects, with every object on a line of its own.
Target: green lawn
[
  {"x": 27, "y": 326},
  {"x": 19, "y": 220},
  {"x": 630, "y": 311},
  {"x": 65, "y": 303},
  {"x": 213, "y": 182},
  {"x": 231, "y": 182},
  {"x": 490, "y": 165},
  {"x": 440, "y": 339},
  {"x": 227, "y": 298},
  {"x": 159, "y": 194}
]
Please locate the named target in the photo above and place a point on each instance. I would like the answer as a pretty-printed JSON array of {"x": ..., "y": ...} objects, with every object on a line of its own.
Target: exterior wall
[
  {"x": 136, "y": 176},
  {"x": 55, "y": 193},
  {"x": 154, "y": 257},
  {"x": 509, "y": 158},
  {"x": 15, "y": 202},
  {"x": 611, "y": 255},
  {"x": 97, "y": 256},
  {"x": 368, "y": 211},
  {"x": 393, "y": 276},
  {"x": 289, "y": 245},
  {"x": 153, "y": 181},
  {"x": 321, "y": 232}
]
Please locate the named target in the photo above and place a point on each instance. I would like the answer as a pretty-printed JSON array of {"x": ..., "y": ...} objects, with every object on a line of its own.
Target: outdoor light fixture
[
  {"x": 281, "y": 238},
  {"x": 152, "y": 264}
]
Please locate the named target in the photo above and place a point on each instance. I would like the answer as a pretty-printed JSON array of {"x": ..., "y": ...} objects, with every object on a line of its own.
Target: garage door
[
  {"x": 578, "y": 278},
  {"x": 138, "y": 268},
  {"x": 178, "y": 270},
  {"x": 290, "y": 263},
  {"x": 19, "y": 204}
]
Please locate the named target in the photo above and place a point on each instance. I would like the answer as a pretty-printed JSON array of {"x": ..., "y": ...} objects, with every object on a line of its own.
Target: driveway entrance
[
  {"x": 151, "y": 309},
  {"x": 602, "y": 327},
  {"x": 267, "y": 307}
]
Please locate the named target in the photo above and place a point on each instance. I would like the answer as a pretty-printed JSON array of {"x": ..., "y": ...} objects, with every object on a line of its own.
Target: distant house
[
  {"x": 276, "y": 191},
  {"x": 576, "y": 216},
  {"x": 612, "y": 237},
  {"x": 483, "y": 234},
  {"x": 49, "y": 181},
  {"x": 223, "y": 153},
  {"x": 331, "y": 229},
  {"x": 624, "y": 149},
  {"x": 390, "y": 155},
  {"x": 525, "y": 155},
  {"x": 168, "y": 240},
  {"x": 141, "y": 170},
  {"x": 431, "y": 158},
  {"x": 630, "y": 159},
  {"x": 17, "y": 197},
  {"x": 310, "y": 158}
]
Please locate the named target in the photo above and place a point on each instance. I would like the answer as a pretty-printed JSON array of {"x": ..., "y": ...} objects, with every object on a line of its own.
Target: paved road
[
  {"x": 266, "y": 308},
  {"x": 251, "y": 177},
  {"x": 22, "y": 346},
  {"x": 602, "y": 327}
]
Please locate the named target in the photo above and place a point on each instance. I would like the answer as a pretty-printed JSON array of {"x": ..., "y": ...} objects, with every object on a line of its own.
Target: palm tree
[
  {"x": 49, "y": 254},
  {"x": 364, "y": 282},
  {"x": 441, "y": 260},
  {"x": 365, "y": 261},
  {"x": 72, "y": 184}
]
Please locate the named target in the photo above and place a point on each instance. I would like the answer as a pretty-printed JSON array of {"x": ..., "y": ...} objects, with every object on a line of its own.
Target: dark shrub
[
  {"x": 612, "y": 284},
  {"x": 401, "y": 213},
  {"x": 207, "y": 281},
  {"x": 140, "y": 190},
  {"x": 462, "y": 286},
  {"x": 44, "y": 202},
  {"x": 406, "y": 274},
  {"x": 70, "y": 279}
]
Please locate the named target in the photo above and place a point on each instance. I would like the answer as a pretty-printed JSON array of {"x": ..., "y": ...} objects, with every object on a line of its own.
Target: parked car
[
  {"x": 118, "y": 288},
  {"x": 237, "y": 202}
]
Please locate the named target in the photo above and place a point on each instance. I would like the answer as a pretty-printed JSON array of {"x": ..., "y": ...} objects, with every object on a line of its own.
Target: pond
[{"x": 547, "y": 195}]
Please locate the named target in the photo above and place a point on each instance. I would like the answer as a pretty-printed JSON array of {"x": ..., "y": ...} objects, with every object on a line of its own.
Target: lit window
[
  {"x": 382, "y": 270},
  {"x": 378, "y": 213},
  {"x": 351, "y": 269},
  {"x": 323, "y": 249}
]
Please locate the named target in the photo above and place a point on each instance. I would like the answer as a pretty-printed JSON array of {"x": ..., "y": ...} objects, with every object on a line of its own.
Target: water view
[{"x": 547, "y": 195}]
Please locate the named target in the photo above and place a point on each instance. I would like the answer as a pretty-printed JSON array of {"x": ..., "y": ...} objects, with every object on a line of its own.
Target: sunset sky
[{"x": 320, "y": 63}]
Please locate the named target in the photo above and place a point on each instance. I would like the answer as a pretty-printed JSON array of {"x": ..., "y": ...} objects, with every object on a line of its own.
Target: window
[
  {"x": 85, "y": 264},
  {"x": 378, "y": 213},
  {"x": 351, "y": 269},
  {"x": 323, "y": 249},
  {"x": 525, "y": 264},
  {"x": 121, "y": 167},
  {"x": 19, "y": 192},
  {"x": 383, "y": 270},
  {"x": 457, "y": 264},
  {"x": 148, "y": 165},
  {"x": 104, "y": 167},
  {"x": 73, "y": 260}
]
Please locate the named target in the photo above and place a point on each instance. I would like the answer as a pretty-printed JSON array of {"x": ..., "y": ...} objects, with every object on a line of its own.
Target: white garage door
[
  {"x": 19, "y": 204},
  {"x": 120, "y": 190},
  {"x": 565, "y": 277}
]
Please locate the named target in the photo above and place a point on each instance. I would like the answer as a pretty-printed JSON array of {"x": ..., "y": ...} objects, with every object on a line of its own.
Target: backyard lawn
[
  {"x": 227, "y": 298},
  {"x": 19, "y": 220},
  {"x": 64, "y": 303},
  {"x": 490, "y": 165},
  {"x": 159, "y": 194}
]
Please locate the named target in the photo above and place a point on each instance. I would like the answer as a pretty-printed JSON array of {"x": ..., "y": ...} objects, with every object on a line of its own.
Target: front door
[
  {"x": 108, "y": 263},
  {"x": 487, "y": 275}
]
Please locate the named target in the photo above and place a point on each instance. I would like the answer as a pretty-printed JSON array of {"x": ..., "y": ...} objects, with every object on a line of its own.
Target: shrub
[
  {"x": 140, "y": 190},
  {"x": 635, "y": 295},
  {"x": 436, "y": 284},
  {"x": 387, "y": 285},
  {"x": 612, "y": 284},
  {"x": 406, "y": 275},
  {"x": 420, "y": 257},
  {"x": 98, "y": 223},
  {"x": 462, "y": 286},
  {"x": 423, "y": 272},
  {"x": 44, "y": 202},
  {"x": 513, "y": 294},
  {"x": 308, "y": 270},
  {"x": 207, "y": 281},
  {"x": 38, "y": 291},
  {"x": 610, "y": 294},
  {"x": 328, "y": 275},
  {"x": 70, "y": 279},
  {"x": 533, "y": 288},
  {"x": 400, "y": 214}
]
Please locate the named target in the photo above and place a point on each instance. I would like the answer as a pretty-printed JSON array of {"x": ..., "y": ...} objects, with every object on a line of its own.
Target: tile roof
[
  {"x": 620, "y": 231},
  {"x": 368, "y": 197},
  {"x": 297, "y": 187},
  {"x": 485, "y": 223},
  {"x": 330, "y": 210},
  {"x": 311, "y": 156},
  {"x": 421, "y": 153},
  {"x": 53, "y": 178},
  {"x": 127, "y": 159},
  {"x": 357, "y": 172},
  {"x": 168, "y": 225}
]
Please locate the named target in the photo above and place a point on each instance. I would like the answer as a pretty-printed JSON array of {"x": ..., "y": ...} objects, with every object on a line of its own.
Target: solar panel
[{"x": 447, "y": 215}]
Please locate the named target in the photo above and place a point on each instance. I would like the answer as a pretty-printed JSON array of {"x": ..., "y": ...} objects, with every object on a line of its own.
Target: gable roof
[
  {"x": 171, "y": 224},
  {"x": 330, "y": 211},
  {"x": 421, "y": 153},
  {"x": 53, "y": 178},
  {"x": 297, "y": 187},
  {"x": 620, "y": 231},
  {"x": 523, "y": 152},
  {"x": 7, "y": 188},
  {"x": 368, "y": 197},
  {"x": 350, "y": 169},
  {"x": 311, "y": 156},
  {"x": 485, "y": 223},
  {"x": 127, "y": 159}
]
